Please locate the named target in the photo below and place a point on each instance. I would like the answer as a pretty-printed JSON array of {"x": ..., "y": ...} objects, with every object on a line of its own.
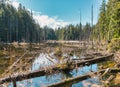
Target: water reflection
[
  {"x": 41, "y": 61},
  {"x": 94, "y": 82},
  {"x": 42, "y": 81}
]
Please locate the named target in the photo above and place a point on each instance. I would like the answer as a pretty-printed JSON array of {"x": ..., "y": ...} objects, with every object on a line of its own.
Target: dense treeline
[
  {"x": 108, "y": 25},
  {"x": 106, "y": 29},
  {"x": 74, "y": 32},
  {"x": 19, "y": 25}
]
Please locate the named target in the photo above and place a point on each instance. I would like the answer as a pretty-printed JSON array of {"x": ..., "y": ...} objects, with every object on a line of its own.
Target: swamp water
[{"x": 42, "y": 61}]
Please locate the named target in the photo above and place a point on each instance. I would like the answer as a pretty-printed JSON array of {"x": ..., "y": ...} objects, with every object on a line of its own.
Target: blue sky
[{"x": 64, "y": 10}]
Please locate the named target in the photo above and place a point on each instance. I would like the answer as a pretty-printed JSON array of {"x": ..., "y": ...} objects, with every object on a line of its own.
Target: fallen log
[
  {"x": 14, "y": 63},
  {"x": 110, "y": 79},
  {"x": 43, "y": 72},
  {"x": 106, "y": 71},
  {"x": 107, "y": 82},
  {"x": 72, "y": 65},
  {"x": 75, "y": 79},
  {"x": 93, "y": 61},
  {"x": 80, "y": 78}
]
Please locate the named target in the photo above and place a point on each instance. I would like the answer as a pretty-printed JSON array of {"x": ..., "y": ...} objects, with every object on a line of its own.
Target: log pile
[{"x": 55, "y": 68}]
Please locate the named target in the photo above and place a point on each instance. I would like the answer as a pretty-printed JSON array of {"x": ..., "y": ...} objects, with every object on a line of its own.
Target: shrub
[{"x": 114, "y": 45}]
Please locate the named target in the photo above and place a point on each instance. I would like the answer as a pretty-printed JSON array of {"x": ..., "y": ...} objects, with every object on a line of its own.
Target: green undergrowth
[{"x": 114, "y": 45}]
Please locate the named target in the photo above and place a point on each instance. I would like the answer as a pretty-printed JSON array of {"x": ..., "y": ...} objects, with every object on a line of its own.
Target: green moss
[
  {"x": 107, "y": 64},
  {"x": 114, "y": 45},
  {"x": 63, "y": 66},
  {"x": 58, "y": 52}
]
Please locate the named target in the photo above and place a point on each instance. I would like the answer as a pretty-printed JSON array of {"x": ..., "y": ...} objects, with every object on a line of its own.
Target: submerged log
[
  {"x": 80, "y": 78},
  {"x": 43, "y": 72},
  {"x": 14, "y": 83}
]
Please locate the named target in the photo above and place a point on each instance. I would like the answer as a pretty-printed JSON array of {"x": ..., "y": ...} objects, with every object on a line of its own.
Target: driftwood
[
  {"x": 110, "y": 78},
  {"x": 50, "y": 59},
  {"x": 80, "y": 78},
  {"x": 107, "y": 82},
  {"x": 14, "y": 64},
  {"x": 106, "y": 71},
  {"x": 55, "y": 68}
]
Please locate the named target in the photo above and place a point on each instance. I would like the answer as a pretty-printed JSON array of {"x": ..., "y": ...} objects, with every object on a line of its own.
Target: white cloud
[
  {"x": 52, "y": 22},
  {"x": 43, "y": 20},
  {"x": 15, "y": 3}
]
